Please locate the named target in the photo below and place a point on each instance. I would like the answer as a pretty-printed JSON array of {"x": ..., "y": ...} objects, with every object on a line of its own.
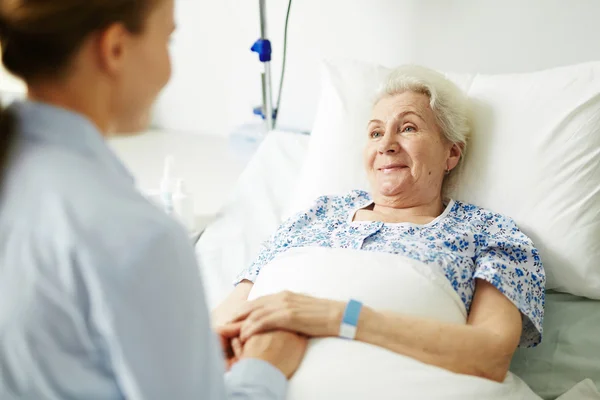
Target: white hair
[{"x": 447, "y": 101}]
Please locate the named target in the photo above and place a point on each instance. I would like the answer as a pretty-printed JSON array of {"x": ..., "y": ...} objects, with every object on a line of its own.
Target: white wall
[
  {"x": 216, "y": 79},
  {"x": 487, "y": 36}
]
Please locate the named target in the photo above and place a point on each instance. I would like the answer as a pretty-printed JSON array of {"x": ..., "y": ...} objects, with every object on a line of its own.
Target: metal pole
[
  {"x": 266, "y": 74},
  {"x": 263, "y": 18}
]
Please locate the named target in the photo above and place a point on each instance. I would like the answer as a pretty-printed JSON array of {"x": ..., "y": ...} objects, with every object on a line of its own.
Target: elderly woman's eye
[
  {"x": 409, "y": 129},
  {"x": 375, "y": 134}
]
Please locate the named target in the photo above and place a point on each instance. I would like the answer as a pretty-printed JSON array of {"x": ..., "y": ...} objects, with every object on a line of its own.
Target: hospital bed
[
  {"x": 252, "y": 213},
  {"x": 571, "y": 349},
  {"x": 545, "y": 34}
]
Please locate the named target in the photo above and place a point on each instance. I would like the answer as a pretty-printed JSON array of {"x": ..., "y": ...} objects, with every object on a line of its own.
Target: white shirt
[{"x": 100, "y": 292}]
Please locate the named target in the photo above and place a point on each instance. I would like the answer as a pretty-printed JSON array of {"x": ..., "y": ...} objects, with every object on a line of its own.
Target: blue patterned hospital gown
[{"x": 465, "y": 242}]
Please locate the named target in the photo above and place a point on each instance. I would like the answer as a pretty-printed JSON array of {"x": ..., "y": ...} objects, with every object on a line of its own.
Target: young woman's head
[{"x": 107, "y": 59}]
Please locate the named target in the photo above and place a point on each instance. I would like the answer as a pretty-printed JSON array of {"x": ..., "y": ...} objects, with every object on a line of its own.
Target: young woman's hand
[{"x": 284, "y": 350}]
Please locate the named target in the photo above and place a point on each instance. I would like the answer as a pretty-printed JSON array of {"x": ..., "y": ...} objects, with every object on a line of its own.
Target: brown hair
[{"x": 38, "y": 39}]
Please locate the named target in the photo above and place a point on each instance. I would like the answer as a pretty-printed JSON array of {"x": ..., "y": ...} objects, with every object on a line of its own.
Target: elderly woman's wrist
[{"x": 336, "y": 316}]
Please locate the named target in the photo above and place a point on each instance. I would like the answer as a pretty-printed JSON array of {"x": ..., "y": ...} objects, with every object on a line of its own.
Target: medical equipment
[
  {"x": 175, "y": 198},
  {"x": 264, "y": 50},
  {"x": 350, "y": 320},
  {"x": 263, "y": 47}
]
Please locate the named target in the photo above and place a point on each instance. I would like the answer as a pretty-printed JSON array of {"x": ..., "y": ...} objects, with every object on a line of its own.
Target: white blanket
[{"x": 339, "y": 369}]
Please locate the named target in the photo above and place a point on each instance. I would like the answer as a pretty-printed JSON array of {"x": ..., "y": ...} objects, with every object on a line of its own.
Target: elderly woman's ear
[{"x": 454, "y": 156}]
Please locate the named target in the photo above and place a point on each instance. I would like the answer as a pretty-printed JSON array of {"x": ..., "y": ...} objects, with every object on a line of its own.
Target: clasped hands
[{"x": 276, "y": 328}]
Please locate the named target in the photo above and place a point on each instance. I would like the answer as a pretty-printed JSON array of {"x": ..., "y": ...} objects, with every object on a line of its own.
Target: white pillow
[{"x": 534, "y": 156}]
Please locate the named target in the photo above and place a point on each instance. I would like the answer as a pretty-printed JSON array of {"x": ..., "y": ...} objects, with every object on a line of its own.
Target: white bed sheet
[{"x": 252, "y": 213}]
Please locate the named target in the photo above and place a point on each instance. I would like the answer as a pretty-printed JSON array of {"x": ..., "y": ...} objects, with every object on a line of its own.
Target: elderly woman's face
[{"x": 406, "y": 155}]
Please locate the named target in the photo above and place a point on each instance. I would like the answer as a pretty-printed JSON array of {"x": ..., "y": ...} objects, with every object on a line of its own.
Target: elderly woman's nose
[{"x": 389, "y": 144}]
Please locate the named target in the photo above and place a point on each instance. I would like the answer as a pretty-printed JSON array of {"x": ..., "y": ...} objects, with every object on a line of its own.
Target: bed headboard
[{"x": 485, "y": 36}]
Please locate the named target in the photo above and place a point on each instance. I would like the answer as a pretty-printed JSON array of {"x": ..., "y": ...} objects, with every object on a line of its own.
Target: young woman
[{"x": 100, "y": 296}]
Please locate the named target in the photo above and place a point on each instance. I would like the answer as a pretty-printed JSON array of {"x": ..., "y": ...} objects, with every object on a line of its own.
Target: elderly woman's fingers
[
  {"x": 279, "y": 300},
  {"x": 253, "y": 319},
  {"x": 267, "y": 320},
  {"x": 253, "y": 306},
  {"x": 244, "y": 311}
]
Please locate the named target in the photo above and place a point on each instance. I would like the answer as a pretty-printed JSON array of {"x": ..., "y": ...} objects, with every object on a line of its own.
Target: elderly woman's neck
[{"x": 408, "y": 210}]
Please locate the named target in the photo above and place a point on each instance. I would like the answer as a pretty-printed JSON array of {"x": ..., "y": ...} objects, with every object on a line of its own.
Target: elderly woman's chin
[{"x": 389, "y": 187}]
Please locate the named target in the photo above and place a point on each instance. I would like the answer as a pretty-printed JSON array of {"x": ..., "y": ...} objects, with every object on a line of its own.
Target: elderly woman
[{"x": 417, "y": 138}]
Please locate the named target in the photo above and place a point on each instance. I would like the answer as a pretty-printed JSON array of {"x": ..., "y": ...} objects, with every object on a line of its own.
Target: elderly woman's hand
[{"x": 288, "y": 311}]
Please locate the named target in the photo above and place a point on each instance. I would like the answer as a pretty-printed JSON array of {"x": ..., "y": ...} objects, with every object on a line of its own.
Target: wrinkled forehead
[{"x": 392, "y": 107}]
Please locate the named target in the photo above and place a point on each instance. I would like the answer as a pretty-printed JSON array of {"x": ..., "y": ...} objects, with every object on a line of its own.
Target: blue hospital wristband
[{"x": 350, "y": 320}]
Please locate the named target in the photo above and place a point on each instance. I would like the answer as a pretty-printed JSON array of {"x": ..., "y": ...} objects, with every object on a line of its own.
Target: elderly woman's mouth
[{"x": 388, "y": 169}]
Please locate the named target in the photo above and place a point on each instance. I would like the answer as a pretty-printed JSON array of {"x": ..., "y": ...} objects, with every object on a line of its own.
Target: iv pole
[{"x": 263, "y": 47}]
